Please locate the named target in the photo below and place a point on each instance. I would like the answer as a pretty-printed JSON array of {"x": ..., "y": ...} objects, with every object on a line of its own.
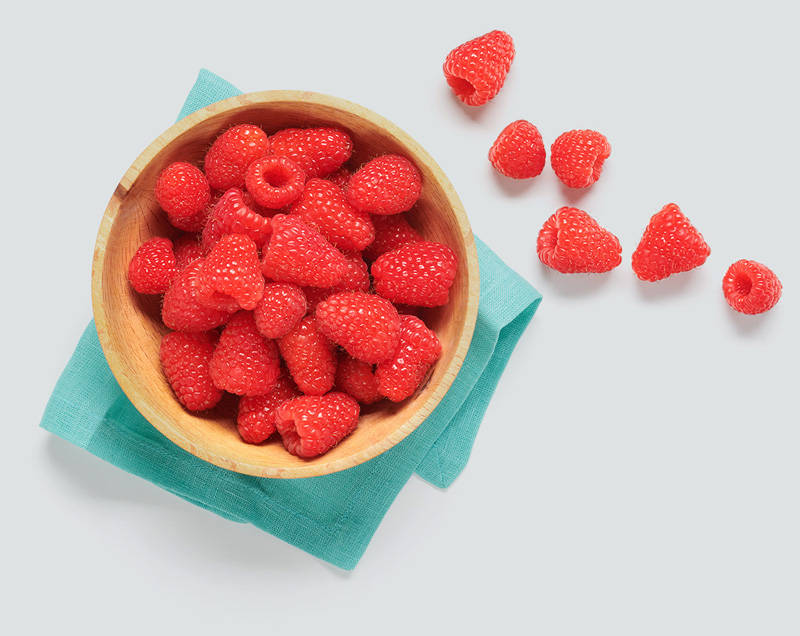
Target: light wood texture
[{"x": 129, "y": 324}]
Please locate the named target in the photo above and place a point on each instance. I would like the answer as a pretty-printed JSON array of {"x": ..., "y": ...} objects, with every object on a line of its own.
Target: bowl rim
[{"x": 118, "y": 363}]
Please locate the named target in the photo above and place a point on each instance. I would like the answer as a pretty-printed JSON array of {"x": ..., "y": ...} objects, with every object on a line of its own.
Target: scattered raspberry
[
  {"x": 181, "y": 311},
  {"x": 572, "y": 242},
  {"x": 340, "y": 177},
  {"x": 233, "y": 216},
  {"x": 477, "y": 69},
  {"x": 365, "y": 325},
  {"x": 324, "y": 206},
  {"x": 750, "y": 287},
  {"x": 185, "y": 360},
  {"x": 518, "y": 152},
  {"x": 317, "y": 151},
  {"x": 577, "y": 157},
  {"x": 357, "y": 379},
  {"x": 187, "y": 250},
  {"x": 416, "y": 274},
  {"x": 670, "y": 245},
  {"x": 385, "y": 185},
  {"x": 313, "y": 424},
  {"x": 230, "y": 155},
  {"x": 297, "y": 253},
  {"x": 256, "y": 413},
  {"x": 391, "y": 231},
  {"x": 274, "y": 181},
  {"x": 230, "y": 278},
  {"x": 244, "y": 362},
  {"x": 401, "y": 375},
  {"x": 280, "y": 308},
  {"x": 310, "y": 357},
  {"x": 153, "y": 268},
  {"x": 182, "y": 191}
]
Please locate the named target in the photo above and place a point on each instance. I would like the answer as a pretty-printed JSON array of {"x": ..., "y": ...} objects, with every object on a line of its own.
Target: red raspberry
[
  {"x": 153, "y": 268},
  {"x": 244, "y": 362},
  {"x": 317, "y": 151},
  {"x": 365, "y": 325},
  {"x": 185, "y": 359},
  {"x": 280, "y": 308},
  {"x": 296, "y": 253},
  {"x": 227, "y": 160},
  {"x": 518, "y": 152},
  {"x": 357, "y": 379},
  {"x": 194, "y": 223},
  {"x": 477, "y": 69},
  {"x": 255, "y": 418},
  {"x": 310, "y": 357},
  {"x": 577, "y": 157},
  {"x": 187, "y": 250},
  {"x": 274, "y": 181},
  {"x": 233, "y": 216},
  {"x": 182, "y": 191},
  {"x": 416, "y": 274},
  {"x": 385, "y": 185},
  {"x": 313, "y": 424},
  {"x": 230, "y": 278},
  {"x": 356, "y": 278},
  {"x": 572, "y": 242},
  {"x": 340, "y": 177},
  {"x": 750, "y": 287},
  {"x": 324, "y": 207},
  {"x": 182, "y": 312},
  {"x": 399, "y": 376},
  {"x": 391, "y": 232},
  {"x": 670, "y": 244}
]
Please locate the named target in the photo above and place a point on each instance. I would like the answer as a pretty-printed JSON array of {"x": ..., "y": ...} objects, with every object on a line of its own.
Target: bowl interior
[{"x": 130, "y": 327}]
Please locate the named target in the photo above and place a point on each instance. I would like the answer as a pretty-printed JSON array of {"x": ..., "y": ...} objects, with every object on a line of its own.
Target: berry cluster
[
  {"x": 292, "y": 283},
  {"x": 571, "y": 241}
]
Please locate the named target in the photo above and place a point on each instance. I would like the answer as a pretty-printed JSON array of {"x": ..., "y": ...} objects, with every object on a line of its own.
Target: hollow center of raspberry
[
  {"x": 276, "y": 177},
  {"x": 742, "y": 284}
]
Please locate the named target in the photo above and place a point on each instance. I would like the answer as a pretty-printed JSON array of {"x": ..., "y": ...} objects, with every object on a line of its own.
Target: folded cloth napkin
[{"x": 331, "y": 517}]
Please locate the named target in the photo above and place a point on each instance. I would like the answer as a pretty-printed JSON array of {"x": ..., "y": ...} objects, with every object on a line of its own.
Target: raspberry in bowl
[{"x": 132, "y": 325}]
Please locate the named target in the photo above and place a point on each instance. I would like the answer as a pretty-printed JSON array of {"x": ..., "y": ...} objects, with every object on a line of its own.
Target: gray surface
[{"x": 637, "y": 470}]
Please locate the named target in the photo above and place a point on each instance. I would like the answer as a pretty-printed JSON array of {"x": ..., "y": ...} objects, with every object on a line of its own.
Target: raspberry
[
  {"x": 244, "y": 362},
  {"x": 670, "y": 244},
  {"x": 182, "y": 191},
  {"x": 391, "y": 232},
  {"x": 187, "y": 250},
  {"x": 233, "y": 216},
  {"x": 313, "y": 424},
  {"x": 518, "y": 152},
  {"x": 255, "y": 418},
  {"x": 194, "y": 223},
  {"x": 324, "y": 207},
  {"x": 317, "y": 151},
  {"x": 399, "y": 376},
  {"x": 230, "y": 278},
  {"x": 340, "y": 177},
  {"x": 477, "y": 69},
  {"x": 227, "y": 160},
  {"x": 274, "y": 181},
  {"x": 153, "y": 267},
  {"x": 750, "y": 287},
  {"x": 577, "y": 157},
  {"x": 357, "y": 379},
  {"x": 280, "y": 308},
  {"x": 572, "y": 242},
  {"x": 296, "y": 253},
  {"x": 310, "y": 357},
  {"x": 365, "y": 325},
  {"x": 416, "y": 274},
  {"x": 181, "y": 311},
  {"x": 385, "y": 185},
  {"x": 185, "y": 360},
  {"x": 356, "y": 278}
]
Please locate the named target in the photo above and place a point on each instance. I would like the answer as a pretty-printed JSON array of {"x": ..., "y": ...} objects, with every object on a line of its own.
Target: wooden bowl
[{"x": 129, "y": 324}]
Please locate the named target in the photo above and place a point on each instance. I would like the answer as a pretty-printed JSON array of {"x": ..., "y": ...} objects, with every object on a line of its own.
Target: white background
[{"x": 637, "y": 471}]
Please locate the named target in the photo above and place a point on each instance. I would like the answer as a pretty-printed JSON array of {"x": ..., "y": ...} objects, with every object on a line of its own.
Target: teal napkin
[{"x": 331, "y": 517}]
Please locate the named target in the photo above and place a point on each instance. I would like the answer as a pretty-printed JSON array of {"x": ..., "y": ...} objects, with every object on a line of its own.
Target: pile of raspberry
[
  {"x": 571, "y": 241},
  {"x": 294, "y": 282}
]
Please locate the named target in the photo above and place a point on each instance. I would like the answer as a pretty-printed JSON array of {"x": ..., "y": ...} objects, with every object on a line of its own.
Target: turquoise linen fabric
[{"x": 331, "y": 517}]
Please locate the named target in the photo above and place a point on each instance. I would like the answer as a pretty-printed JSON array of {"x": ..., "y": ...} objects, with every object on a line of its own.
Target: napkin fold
[{"x": 332, "y": 517}]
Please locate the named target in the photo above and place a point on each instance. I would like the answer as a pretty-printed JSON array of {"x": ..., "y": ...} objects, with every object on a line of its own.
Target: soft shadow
[
  {"x": 747, "y": 325},
  {"x": 675, "y": 285},
  {"x": 574, "y": 285},
  {"x": 513, "y": 187},
  {"x": 573, "y": 196},
  {"x": 475, "y": 113}
]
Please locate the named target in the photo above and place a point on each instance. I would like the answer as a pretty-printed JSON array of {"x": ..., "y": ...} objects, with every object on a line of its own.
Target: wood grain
[{"x": 130, "y": 328}]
